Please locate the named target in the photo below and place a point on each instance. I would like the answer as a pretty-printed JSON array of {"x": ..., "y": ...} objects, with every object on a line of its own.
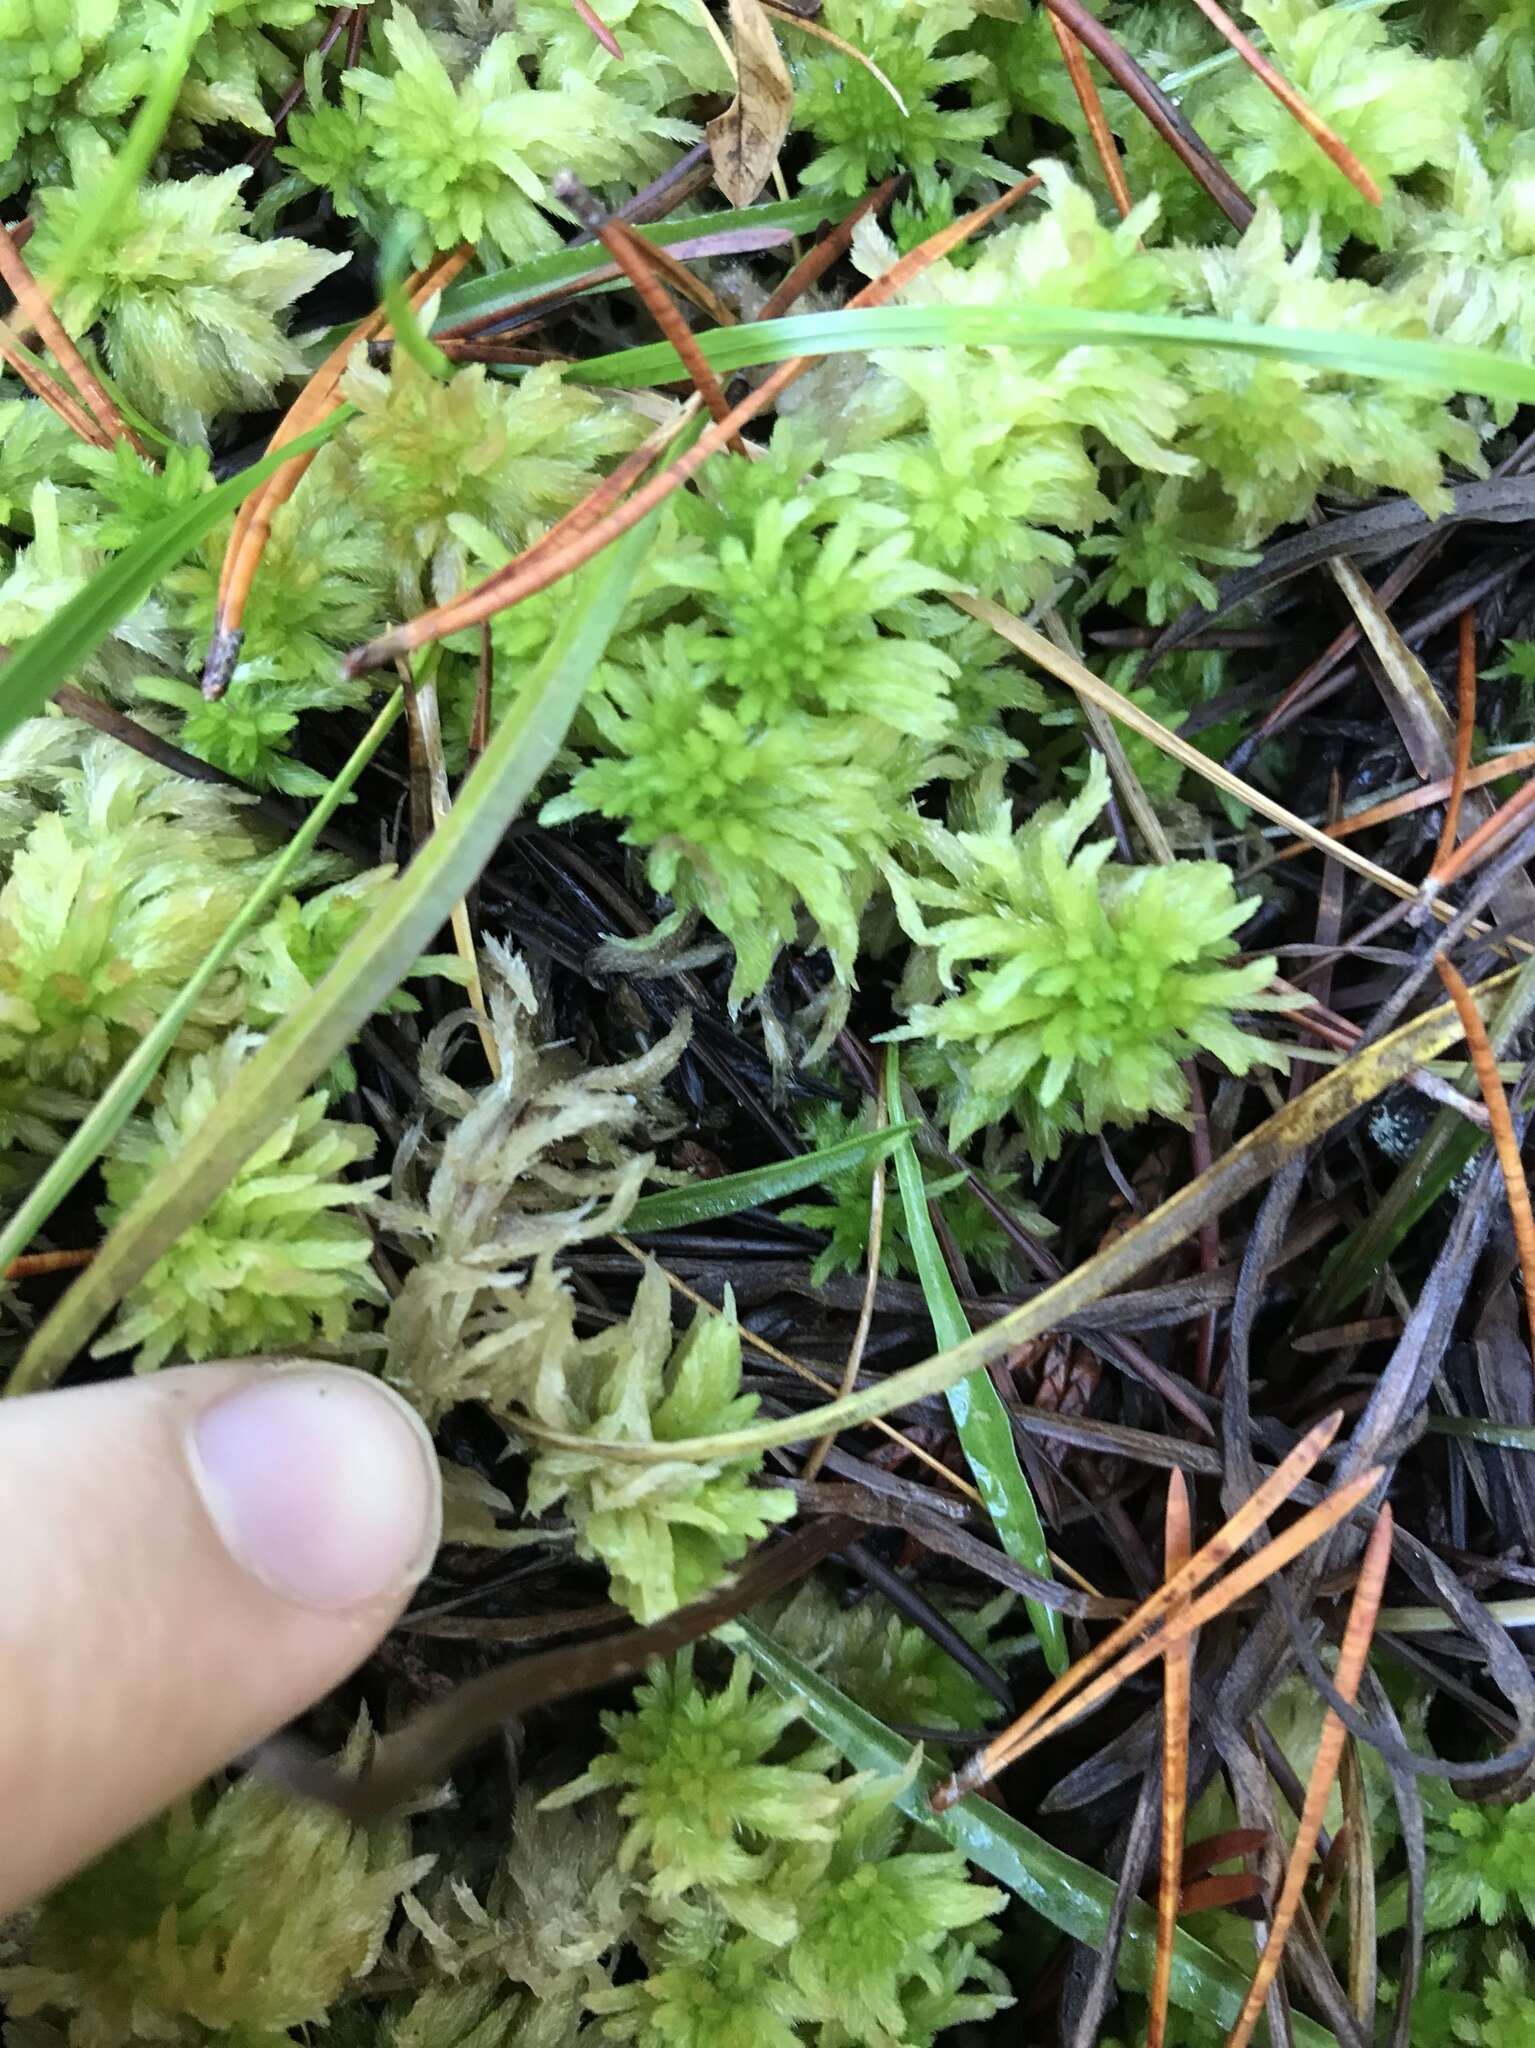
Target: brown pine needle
[
  {"x": 253, "y": 522},
  {"x": 1512, "y": 763},
  {"x": 599, "y": 28},
  {"x": 1357, "y": 1633},
  {"x": 831, "y": 248},
  {"x": 1490, "y": 1081},
  {"x": 1082, "y": 84},
  {"x": 1219, "y": 1551},
  {"x": 542, "y": 565},
  {"x": 1479, "y": 843},
  {"x": 1226, "y": 1847},
  {"x": 43, "y": 385},
  {"x": 34, "y": 304},
  {"x": 1465, "y": 728},
  {"x": 1176, "y": 1669},
  {"x": 825, "y": 35},
  {"x": 1210, "y": 1894},
  {"x": 1331, "y": 145},
  {"x": 31, "y": 1264},
  {"x": 634, "y": 256},
  {"x": 1182, "y": 1621}
]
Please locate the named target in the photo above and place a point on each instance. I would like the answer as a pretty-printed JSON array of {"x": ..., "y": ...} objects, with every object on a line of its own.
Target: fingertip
[
  {"x": 322, "y": 1484},
  {"x": 187, "y": 1562}
]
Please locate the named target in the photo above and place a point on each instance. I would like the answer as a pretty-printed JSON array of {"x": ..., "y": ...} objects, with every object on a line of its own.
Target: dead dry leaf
[{"x": 745, "y": 140}]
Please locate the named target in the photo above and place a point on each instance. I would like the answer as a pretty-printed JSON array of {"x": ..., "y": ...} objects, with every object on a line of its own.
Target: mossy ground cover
[{"x": 780, "y": 890}]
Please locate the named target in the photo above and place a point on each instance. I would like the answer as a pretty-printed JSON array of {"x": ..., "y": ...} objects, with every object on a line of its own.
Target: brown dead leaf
[{"x": 745, "y": 140}]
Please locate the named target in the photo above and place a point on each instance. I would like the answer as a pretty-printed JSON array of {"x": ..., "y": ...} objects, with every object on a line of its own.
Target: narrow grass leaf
[
  {"x": 367, "y": 971},
  {"x": 113, "y": 1108},
  {"x": 52, "y": 656},
  {"x": 410, "y": 335},
  {"x": 140, "y": 144},
  {"x": 1433, "y": 363},
  {"x": 1245, "y": 1166},
  {"x": 1066, "y": 1893},
  {"x": 985, "y": 1433},
  {"x": 504, "y": 291},
  {"x": 707, "y": 1200}
]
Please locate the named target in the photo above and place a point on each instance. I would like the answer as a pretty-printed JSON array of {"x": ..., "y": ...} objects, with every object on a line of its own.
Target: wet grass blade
[
  {"x": 1068, "y": 1894},
  {"x": 985, "y": 1433},
  {"x": 707, "y": 1200},
  {"x": 52, "y": 656},
  {"x": 756, "y": 342},
  {"x": 367, "y": 971},
  {"x": 108, "y": 1115}
]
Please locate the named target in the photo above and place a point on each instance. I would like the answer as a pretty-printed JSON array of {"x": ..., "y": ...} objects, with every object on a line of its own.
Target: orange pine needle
[
  {"x": 1331, "y": 145},
  {"x": 51, "y": 392},
  {"x": 1512, "y": 763},
  {"x": 1082, "y": 84},
  {"x": 1465, "y": 727},
  {"x": 31, "y": 1264},
  {"x": 1184, "y": 1620},
  {"x": 1477, "y": 844},
  {"x": 1490, "y": 1081},
  {"x": 1176, "y": 1669},
  {"x": 1357, "y": 1634},
  {"x": 253, "y": 521},
  {"x": 33, "y": 303},
  {"x": 1205, "y": 1562},
  {"x": 541, "y": 566},
  {"x": 635, "y": 257}
]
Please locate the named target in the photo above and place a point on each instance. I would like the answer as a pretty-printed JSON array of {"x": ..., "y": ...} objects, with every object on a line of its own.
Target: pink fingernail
[{"x": 322, "y": 1483}]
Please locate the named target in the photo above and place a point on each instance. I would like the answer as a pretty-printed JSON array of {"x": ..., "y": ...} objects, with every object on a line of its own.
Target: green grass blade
[
  {"x": 1068, "y": 1894},
  {"x": 142, "y": 140},
  {"x": 770, "y": 341},
  {"x": 503, "y": 291},
  {"x": 1507, "y": 1436},
  {"x": 985, "y": 1433},
  {"x": 116, "y": 1105},
  {"x": 52, "y": 656},
  {"x": 367, "y": 971},
  {"x": 408, "y": 332},
  {"x": 706, "y": 1200}
]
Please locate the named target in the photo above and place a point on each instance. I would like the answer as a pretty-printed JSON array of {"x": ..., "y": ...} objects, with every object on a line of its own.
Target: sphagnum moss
[{"x": 818, "y": 766}]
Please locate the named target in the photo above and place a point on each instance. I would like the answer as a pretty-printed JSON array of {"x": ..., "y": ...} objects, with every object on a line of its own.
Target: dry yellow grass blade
[
  {"x": 1093, "y": 690},
  {"x": 1351, "y": 1662},
  {"x": 808, "y": 1373},
  {"x": 873, "y": 1248},
  {"x": 425, "y": 728}
]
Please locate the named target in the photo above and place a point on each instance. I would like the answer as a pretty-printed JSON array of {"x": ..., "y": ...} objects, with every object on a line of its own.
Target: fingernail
[{"x": 322, "y": 1483}]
